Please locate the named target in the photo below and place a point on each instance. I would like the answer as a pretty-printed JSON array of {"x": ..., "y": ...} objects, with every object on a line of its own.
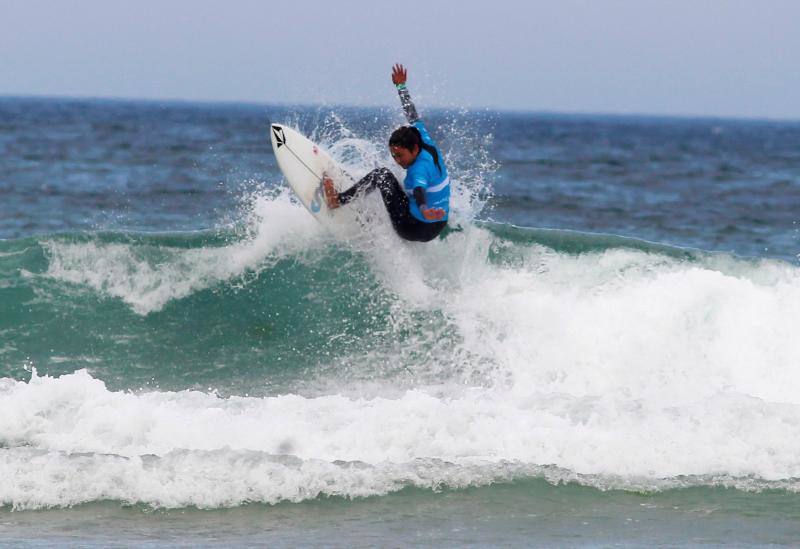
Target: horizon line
[{"x": 498, "y": 110}]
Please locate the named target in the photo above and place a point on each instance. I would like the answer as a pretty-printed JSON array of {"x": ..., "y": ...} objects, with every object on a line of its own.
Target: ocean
[{"x": 601, "y": 349}]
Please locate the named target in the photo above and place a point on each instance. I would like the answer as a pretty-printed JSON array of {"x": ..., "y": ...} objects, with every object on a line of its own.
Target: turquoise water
[{"x": 600, "y": 351}]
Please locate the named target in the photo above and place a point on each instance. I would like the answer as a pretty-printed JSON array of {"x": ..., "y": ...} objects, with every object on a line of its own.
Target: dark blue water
[
  {"x": 707, "y": 183},
  {"x": 710, "y": 184}
]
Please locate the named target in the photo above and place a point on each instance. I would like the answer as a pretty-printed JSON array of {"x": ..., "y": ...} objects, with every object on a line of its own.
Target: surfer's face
[{"x": 403, "y": 156}]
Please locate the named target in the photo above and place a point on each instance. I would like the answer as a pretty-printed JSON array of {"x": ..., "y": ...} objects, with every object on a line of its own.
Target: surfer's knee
[{"x": 385, "y": 176}]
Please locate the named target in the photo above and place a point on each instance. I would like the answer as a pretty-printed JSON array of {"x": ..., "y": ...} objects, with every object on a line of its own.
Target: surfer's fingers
[{"x": 399, "y": 74}]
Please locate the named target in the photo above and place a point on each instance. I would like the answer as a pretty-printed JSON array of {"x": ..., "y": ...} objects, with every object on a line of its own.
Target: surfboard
[{"x": 303, "y": 164}]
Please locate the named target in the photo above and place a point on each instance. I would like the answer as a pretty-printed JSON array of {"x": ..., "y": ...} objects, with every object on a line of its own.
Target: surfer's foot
[{"x": 331, "y": 196}]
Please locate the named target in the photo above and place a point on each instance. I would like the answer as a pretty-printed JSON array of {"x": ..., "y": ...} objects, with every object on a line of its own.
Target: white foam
[
  {"x": 35, "y": 479},
  {"x": 659, "y": 328},
  {"x": 148, "y": 277}
]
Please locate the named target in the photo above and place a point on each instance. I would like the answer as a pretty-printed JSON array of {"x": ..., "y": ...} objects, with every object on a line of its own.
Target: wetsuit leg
[
  {"x": 396, "y": 202},
  {"x": 392, "y": 193},
  {"x": 394, "y": 198},
  {"x": 418, "y": 231}
]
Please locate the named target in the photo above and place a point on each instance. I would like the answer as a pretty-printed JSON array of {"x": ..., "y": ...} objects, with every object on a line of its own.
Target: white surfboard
[{"x": 303, "y": 163}]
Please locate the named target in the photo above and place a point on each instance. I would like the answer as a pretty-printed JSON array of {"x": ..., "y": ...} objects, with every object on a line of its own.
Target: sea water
[{"x": 601, "y": 349}]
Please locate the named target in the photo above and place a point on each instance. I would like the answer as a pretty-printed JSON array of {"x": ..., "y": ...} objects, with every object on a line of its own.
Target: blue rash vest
[{"x": 424, "y": 173}]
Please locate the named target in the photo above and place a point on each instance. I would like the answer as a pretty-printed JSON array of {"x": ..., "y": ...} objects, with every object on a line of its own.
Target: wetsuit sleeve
[
  {"x": 408, "y": 106},
  {"x": 419, "y": 197}
]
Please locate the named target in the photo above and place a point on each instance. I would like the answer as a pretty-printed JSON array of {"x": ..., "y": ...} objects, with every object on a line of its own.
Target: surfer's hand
[
  {"x": 399, "y": 74},
  {"x": 432, "y": 214}
]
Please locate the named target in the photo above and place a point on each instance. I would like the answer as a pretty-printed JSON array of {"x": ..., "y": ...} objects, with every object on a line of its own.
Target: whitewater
[{"x": 498, "y": 358}]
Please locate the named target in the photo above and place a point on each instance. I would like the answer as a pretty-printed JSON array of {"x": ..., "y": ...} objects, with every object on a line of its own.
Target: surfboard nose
[{"x": 278, "y": 135}]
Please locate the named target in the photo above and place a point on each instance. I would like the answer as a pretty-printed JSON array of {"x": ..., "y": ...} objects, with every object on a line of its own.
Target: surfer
[{"x": 419, "y": 207}]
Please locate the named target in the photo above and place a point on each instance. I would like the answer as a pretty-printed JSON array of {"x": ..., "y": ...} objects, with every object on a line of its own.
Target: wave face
[{"x": 273, "y": 362}]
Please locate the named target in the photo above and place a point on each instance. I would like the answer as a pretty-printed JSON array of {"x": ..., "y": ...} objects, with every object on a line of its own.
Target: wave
[
  {"x": 69, "y": 440},
  {"x": 270, "y": 361}
]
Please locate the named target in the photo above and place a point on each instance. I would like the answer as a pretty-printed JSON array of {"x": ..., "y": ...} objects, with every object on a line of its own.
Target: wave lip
[{"x": 149, "y": 274}]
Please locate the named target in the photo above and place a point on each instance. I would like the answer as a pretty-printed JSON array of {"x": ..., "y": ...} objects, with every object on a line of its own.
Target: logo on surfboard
[
  {"x": 316, "y": 202},
  {"x": 280, "y": 139}
]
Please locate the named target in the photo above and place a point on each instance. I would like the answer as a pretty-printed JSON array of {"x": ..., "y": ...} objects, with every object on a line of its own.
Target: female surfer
[{"x": 418, "y": 209}]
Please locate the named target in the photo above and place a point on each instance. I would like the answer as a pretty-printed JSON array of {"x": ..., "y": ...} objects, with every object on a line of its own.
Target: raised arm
[{"x": 399, "y": 77}]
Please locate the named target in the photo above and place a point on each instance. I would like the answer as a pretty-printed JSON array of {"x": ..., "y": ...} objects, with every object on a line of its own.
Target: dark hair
[{"x": 409, "y": 136}]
